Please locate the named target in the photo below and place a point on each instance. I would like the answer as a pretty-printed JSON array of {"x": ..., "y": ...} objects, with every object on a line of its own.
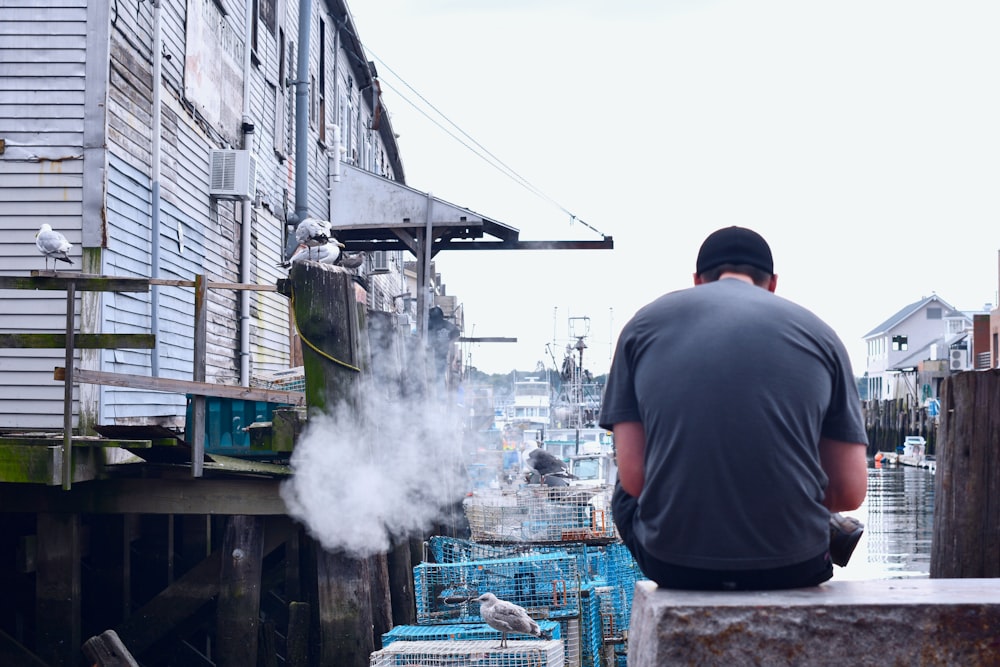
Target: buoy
[{"x": 878, "y": 457}]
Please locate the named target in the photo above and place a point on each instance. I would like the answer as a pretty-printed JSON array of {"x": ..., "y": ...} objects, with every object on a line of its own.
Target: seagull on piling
[
  {"x": 508, "y": 617},
  {"x": 313, "y": 232},
  {"x": 328, "y": 253},
  {"x": 52, "y": 244}
]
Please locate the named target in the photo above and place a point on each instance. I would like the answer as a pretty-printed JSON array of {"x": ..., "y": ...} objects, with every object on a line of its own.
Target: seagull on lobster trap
[{"x": 508, "y": 618}]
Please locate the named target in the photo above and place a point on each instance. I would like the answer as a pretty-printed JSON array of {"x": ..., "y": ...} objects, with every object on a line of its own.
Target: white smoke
[{"x": 363, "y": 478}]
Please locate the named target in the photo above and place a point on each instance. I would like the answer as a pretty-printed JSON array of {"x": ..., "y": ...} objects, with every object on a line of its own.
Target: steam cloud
[{"x": 363, "y": 478}]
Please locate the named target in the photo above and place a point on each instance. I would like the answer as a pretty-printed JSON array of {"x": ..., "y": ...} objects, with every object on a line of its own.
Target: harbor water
[{"x": 898, "y": 514}]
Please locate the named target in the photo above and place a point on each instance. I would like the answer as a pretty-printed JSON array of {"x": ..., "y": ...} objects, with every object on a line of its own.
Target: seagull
[
  {"x": 352, "y": 260},
  {"x": 52, "y": 244},
  {"x": 547, "y": 463},
  {"x": 313, "y": 232},
  {"x": 328, "y": 253},
  {"x": 508, "y": 617}
]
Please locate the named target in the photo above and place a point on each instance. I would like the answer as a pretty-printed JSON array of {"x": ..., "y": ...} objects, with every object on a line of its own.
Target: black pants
[{"x": 812, "y": 572}]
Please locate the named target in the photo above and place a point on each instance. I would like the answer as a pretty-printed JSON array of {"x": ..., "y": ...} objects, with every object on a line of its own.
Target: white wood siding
[{"x": 42, "y": 67}]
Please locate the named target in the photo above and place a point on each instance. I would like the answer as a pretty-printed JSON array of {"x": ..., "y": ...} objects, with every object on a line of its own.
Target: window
[
  {"x": 899, "y": 343},
  {"x": 934, "y": 313}
]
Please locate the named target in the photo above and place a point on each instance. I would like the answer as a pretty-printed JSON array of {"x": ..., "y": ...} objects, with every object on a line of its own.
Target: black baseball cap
[{"x": 734, "y": 245}]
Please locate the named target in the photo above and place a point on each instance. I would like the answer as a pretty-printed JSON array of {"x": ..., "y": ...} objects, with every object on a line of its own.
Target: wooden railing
[{"x": 71, "y": 341}]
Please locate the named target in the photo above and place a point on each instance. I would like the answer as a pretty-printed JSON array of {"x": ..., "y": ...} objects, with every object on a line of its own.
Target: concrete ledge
[{"x": 883, "y": 622}]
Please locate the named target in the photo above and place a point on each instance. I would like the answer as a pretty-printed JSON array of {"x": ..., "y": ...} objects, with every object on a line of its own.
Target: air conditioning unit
[
  {"x": 380, "y": 261},
  {"x": 957, "y": 360},
  {"x": 232, "y": 174}
]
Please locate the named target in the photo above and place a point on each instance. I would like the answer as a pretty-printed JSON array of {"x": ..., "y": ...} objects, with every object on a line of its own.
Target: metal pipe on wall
[
  {"x": 302, "y": 115},
  {"x": 246, "y": 274},
  {"x": 156, "y": 152}
]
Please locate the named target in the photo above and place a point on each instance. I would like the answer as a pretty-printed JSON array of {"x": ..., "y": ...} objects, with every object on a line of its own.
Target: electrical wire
[{"x": 482, "y": 153}]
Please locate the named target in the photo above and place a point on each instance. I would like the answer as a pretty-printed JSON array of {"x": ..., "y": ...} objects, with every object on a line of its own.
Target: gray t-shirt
[{"x": 734, "y": 387}]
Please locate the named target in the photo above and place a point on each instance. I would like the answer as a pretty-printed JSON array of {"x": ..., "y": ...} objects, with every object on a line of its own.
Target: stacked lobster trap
[
  {"x": 541, "y": 514},
  {"x": 553, "y": 551}
]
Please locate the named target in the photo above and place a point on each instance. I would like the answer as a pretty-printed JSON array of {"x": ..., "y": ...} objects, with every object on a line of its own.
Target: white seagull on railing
[
  {"x": 508, "y": 617},
  {"x": 52, "y": 244}
]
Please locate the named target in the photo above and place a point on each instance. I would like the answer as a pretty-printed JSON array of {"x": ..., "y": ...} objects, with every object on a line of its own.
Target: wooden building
[{"x": 166, "y": 140}]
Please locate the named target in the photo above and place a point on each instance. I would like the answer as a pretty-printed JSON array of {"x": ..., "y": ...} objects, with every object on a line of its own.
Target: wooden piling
[
  {"x": 325, "y": 310},
  {"x": 107, "y": 650},
  {"x": 57, "y": 589},
  {"x": 297, "y": 636},
  {"x": 966, "y": 541},
  {"x": 381, "y": 598},
  {"x": 238, "y": 606},
  {"x": 404, "y": 610},
  {"x": 345, "y": 613}
]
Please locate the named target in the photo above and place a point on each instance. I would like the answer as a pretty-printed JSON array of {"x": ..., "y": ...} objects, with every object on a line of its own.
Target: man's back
[{"x": 732, "y": 385}]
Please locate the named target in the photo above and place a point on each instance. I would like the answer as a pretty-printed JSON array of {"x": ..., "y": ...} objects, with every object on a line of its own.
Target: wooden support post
[
  {"x": 197, "y": 439},
  {"x": 966, "y": 541},
  {"x": 345, "y": 613},
  {"x": 238, "y": 606},
  {"x": 381, "y": 598},
  {"x": 404, "y": 609},
  {"x": 57, "y": 589},
  {"x": 297, "y": 637},
  {"x": 67, "y": 453}
]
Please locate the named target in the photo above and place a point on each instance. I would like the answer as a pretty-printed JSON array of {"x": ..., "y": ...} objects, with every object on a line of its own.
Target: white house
[{"x": 921, "y": 343}]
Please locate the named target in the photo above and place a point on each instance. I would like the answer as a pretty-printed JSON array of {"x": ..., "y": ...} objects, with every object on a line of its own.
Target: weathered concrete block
[{"x": 882, "y": 622}]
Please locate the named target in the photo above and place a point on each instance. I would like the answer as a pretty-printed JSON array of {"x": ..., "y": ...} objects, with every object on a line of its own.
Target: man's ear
[
  {"x": 697, "y": 279},
  {"x": 773, "y": 283}
]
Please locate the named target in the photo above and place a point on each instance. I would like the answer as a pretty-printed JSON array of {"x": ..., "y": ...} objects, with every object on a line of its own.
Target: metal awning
[{"x": 369, "y": 212}]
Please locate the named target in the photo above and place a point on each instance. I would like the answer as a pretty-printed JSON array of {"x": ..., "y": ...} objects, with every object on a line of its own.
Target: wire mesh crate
[
  {"x": 459, "y": 631},
  {"x": 470, "y": 654},
  {"x": 594, "y": 561},
  {"x": 540, "y": 514},
  {"x": 291, "y": 379},
  {"x": 546, "y": 585},
  {"x": 591, "y": 639},
  {"x": 569, "y": 629}
]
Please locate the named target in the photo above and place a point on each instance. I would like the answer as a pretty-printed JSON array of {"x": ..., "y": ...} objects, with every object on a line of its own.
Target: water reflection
[{"x": 899, "y": 523}]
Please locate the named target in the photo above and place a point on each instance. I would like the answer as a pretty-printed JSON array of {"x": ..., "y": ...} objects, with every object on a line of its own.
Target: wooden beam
[
  {"x": 80, "y": 341},
  {"x": 184, "y": 495},
  {"x": 83, "y": 282},
  {"x": 184, "y": 386},
  {"x": 213, "y": 285},
  {"x": 43, "y": 464},
  {"x": 78, "y": 441},
  {"x": 166, "y": 612},
  {"x": 12, "y": 653}
]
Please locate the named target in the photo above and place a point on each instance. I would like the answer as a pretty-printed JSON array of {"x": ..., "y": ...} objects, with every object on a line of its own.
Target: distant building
[{"x": 910, "y": 353}]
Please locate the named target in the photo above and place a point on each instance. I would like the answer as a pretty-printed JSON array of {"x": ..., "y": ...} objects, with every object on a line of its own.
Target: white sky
[{"x": 862, "y": 139}]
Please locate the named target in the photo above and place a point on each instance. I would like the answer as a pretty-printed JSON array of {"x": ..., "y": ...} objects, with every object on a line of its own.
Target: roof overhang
[{"x": 370, "y": 212}]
